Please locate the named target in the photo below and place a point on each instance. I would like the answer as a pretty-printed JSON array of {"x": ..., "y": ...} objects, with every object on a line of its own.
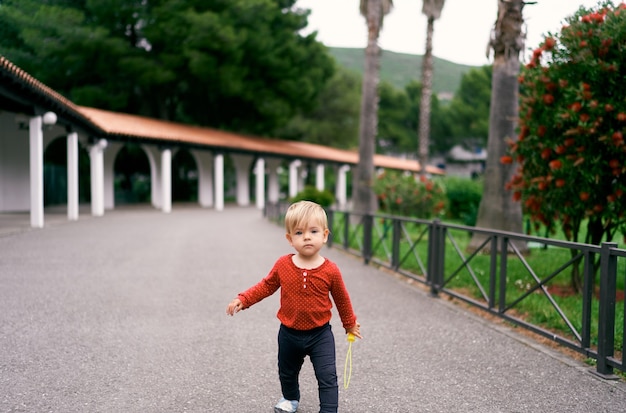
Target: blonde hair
[{"x": 302, "y": 212}]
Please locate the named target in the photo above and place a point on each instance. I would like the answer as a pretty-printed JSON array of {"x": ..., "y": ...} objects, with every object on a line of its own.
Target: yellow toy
[{"x": 347, "y": 374}]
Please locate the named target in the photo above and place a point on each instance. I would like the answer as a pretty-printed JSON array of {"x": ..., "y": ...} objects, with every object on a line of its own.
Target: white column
[
  {"x": 260, "y": 183},
  {"x": 342, "y": 187},
  {"x": 36, "y": 171},
  {"x": 155, "y": 175},
  {"x": 108, "y": 174},
  {"x": 242, "y": 168},
  {"x": 166, "y": 180},
  {"x": 72, "y": 176},
  {"x": 293, "y": 177},
  {"x": 319, "y": 177},
  {"x": 204, "y": 160},
  {"x": 273, "y": 185},
  {"x": 96, "y": 156},
  {"x": 218, "y": 163}
]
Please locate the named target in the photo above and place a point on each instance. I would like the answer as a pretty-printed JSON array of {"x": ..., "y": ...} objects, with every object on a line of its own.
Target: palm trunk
[
  {"x": 364, "y": 196},
  {"x": 427, "y": 91},
  {"x": 497, "y": 208}
]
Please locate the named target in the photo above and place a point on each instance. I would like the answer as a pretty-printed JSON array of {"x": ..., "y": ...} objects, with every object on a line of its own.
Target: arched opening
[
  {"x": 132, "y": 175},
  {"x": 184, "y": 177},
  {"x": 55, "y": 173}
]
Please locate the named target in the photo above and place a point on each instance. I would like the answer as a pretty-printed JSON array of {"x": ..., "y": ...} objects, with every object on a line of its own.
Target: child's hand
[
  {"x": 234, "y": 307},
  {"x": 356, "y": 330}
]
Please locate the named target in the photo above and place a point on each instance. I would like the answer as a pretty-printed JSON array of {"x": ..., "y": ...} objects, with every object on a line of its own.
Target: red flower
[
  {"x": 617, "y": 137},
  {"x": 559, "y": 183},
  {"x": 608, "y": 107},
  {"x": 548, "y": 99},
  {"x": 541, "y": 130},
  {"x": 614, "y": 163},
  {"x": 555, "y": 164},
  {"x": 583, "y": 196},
  {"x": 545, "y": 154},
  {"x": 576, "y": 106},
  {"x": 560, "y": 149},
  {"x": 621, "y": 117},
  {"x": 506, "y": 159},
  {"x": 549, "y": 43}
]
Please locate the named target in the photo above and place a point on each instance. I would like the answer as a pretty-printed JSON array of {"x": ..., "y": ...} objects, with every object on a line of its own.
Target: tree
[
  {"x": 571, "y": 146},
  {"x": 238, "y": 65},
  {"x": 364, "y": 197},
  {"x": 497, "y": 209},
  {"x": 399, "y": 116},
  {"x": 468, "y": 112},
  {"x": 335, "y": 120},
  {"x": 397, "y": 120},
  {"x": 432, "y": 10}
]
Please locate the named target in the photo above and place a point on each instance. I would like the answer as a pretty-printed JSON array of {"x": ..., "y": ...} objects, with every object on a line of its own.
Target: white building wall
[{"x": 14, "y": 165}]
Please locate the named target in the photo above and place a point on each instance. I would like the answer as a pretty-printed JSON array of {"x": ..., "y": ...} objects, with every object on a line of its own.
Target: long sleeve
[
  {"x": 263, "y": 289},
  {"x": 341, "y": 297}
]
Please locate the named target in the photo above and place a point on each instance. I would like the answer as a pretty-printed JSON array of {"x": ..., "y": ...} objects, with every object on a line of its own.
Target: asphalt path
[{"x": 126, "y": 313}]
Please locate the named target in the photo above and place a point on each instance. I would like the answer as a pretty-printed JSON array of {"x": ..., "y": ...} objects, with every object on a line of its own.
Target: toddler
[{"x": 306, "y": 281}]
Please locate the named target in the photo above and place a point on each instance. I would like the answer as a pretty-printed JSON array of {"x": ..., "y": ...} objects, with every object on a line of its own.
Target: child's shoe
[{"x": 286, "y": 406}]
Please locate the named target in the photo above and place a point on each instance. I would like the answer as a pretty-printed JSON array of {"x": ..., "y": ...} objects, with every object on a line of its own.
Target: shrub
[
  {"x": 464, "y": 197},
  {"x": 325, "y": 198},
  {"x": 407, "y": 195}
]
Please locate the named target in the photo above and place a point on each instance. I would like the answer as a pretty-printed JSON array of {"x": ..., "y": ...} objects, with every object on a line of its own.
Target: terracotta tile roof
[
  {"x": 133, "y": 126},
  {"x": 21, "y": 83}
]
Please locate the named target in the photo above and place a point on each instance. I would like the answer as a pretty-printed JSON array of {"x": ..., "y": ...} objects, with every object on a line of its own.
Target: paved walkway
[{"x": 126, "y": 313}]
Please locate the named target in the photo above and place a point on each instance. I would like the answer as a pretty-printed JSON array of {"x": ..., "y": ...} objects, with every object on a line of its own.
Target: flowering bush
[
  {"x": 407, "y": 195},
  {"x": 570, "y": 147}
]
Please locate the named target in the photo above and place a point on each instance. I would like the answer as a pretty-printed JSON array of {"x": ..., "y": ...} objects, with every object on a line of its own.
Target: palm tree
[
  {"x": 364, "y": 198},
  {"x": 497, "y": 208},
  {"x": 432, "y": 10}
]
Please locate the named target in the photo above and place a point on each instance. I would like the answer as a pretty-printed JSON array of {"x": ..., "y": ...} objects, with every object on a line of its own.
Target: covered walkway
[
  {"x": 33, "y": 117},
  {"x": 126, "y": 313}
]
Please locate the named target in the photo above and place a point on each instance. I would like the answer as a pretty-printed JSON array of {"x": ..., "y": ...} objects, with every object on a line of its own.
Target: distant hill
[{"x": 399, "y": 69}]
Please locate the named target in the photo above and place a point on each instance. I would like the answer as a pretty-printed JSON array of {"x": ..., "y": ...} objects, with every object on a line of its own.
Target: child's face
[{"x": 308, "y": 239}]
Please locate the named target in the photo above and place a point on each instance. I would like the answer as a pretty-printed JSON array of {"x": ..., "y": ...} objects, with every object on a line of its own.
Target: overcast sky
[{"x": 461, "y": 34}]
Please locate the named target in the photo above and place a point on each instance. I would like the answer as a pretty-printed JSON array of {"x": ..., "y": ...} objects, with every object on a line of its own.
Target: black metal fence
[{"x": 500, "y": 277}]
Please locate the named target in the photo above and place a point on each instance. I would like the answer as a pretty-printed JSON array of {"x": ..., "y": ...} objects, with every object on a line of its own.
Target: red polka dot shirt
[{"x": 305, "y": 294}]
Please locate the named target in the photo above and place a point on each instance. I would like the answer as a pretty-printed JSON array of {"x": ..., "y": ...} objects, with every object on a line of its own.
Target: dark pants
[{"x": 319, "y": 345}]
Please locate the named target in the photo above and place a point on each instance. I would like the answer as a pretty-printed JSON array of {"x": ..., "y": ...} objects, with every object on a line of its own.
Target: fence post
[
  {"x": 433, "y": 258},
  {"x": 493, "y": 270},
  {"x": 346, "y": 230},
  {"x": 395, "y": 246},
  {"x": 368, "y": 221},
  {"x": 606, "y": 314},
  {"x": 503, "y": 264}
]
